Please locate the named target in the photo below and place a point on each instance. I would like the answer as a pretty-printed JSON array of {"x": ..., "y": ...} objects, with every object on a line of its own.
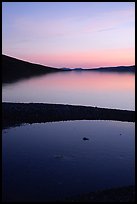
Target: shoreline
[
  {"x": 119, "y": 194},
  {"x": 114, "y": 194},
  {"x": 14, "y": 114}
]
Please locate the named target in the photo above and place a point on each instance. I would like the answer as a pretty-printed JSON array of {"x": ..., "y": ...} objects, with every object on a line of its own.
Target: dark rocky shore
[
  {"x": 123, "y": 194},
  {"x": 18, "y": 113}
]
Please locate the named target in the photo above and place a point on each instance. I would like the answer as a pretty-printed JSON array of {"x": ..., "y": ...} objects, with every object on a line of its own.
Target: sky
[{"x": 70, "y": 34}]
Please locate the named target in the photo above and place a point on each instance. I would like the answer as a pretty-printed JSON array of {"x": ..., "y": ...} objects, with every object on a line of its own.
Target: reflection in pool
[{"x": 50, "y": 161}]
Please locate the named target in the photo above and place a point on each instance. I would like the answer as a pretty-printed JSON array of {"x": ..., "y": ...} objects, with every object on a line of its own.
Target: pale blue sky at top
[{"x": 70, "y": 34}]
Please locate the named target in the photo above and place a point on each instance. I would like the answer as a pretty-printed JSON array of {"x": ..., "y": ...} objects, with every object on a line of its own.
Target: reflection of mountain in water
[{"x": 14, "y": 69}]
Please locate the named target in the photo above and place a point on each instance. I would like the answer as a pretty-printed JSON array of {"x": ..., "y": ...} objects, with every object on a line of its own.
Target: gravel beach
[{"x": 18, "y": 113}]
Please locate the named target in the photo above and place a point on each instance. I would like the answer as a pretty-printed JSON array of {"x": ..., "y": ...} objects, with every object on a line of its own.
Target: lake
[
  {"x": 50, "y": 161},
  {"x": 108, "y": 90}
]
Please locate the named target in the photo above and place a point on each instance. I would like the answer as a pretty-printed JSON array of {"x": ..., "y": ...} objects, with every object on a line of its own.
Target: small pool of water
[{"x": 50, "y": 161}]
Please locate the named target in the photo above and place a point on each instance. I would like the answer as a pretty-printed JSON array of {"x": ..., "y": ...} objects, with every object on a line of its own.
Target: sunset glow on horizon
[{"x": 70, "y": 34}]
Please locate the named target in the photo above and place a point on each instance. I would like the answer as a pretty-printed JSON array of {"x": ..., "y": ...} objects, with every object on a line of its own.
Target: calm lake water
[
  {"x": 112, "y": 90},
  {"x": 51, "y": 160}
]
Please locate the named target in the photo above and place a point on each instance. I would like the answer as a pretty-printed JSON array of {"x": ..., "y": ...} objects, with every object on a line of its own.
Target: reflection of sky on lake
[
  {"x": 51, "y": 160},
  {"x": 113, "y": 90}
]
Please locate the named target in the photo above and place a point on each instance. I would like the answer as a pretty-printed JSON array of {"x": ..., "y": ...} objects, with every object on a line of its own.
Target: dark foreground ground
[
  {"x": 17, "y": 113},
  {"x": 123, "y": 194}
]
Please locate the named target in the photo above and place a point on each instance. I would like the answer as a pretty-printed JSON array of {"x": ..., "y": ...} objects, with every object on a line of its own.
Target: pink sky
[
  {"x": 115, "y": 57},
  {"x": 86, "y": 35}
]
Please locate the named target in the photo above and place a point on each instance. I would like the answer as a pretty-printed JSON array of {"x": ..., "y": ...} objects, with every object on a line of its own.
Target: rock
[{"x": 85, "y": 138}]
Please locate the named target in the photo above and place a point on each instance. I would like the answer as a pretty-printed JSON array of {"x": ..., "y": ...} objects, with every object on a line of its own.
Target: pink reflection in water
[
  {"x": 85, "y": 81},
  {"x": 110, "y": 90}
]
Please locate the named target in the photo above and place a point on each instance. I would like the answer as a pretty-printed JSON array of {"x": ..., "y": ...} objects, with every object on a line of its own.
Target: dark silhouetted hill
[
  {"x": 14, "y": 69},
  {"x": 115, "y": 69},
  {"x": 121, "y": 69}
]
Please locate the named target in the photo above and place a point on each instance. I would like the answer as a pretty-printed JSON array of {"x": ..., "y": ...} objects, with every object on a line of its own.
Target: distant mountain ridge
[
  {"x": 116, "y": 69},
  {"x": 105, "y": 69},
  {"x": 14, "y": 69}
]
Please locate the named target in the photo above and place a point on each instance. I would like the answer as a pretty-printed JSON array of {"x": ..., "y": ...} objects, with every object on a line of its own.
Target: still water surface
[
  {"x": 112, "y": 90},
  {"x": 50, "y": 161}
]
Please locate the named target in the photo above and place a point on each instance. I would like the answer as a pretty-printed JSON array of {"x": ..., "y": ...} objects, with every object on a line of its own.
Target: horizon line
[{"x": 67, "y": 67}]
